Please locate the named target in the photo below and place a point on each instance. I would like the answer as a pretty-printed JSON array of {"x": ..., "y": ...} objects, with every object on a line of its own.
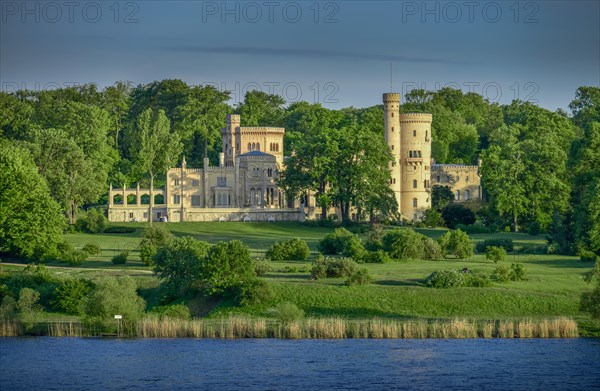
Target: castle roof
[{"x": 255, "y": 153}]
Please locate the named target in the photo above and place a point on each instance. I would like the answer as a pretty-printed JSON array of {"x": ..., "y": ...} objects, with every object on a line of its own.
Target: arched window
[
  {"x": 249, "y": 147},
  {"x": 457, "y": 195},
  {"x": 414, "y": 183},
  {"x": 414, "y": 133},
  {"x": 418, "y": 153},
  {"x": 467, "y": 195},
  {"x": 392, "y": 147},
  {"x": 392, "y": 126},
  {"x": 252, "y": 196},
  {"x": 410, "y": 154},
  {"x": 426, "y": 132},
  {"x": 258, "y": 146},
  {"x": 414, "y": 202}
]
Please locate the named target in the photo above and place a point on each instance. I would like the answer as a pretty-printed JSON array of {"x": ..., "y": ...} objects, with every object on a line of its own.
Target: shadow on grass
[
  {"x": 408, "y": 282},
  {"x": 574, "y": 264},
  {"x": 352, "y": 313}
]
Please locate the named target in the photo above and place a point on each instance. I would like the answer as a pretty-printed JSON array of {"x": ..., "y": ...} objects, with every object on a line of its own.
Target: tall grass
[{"x": 321, "y": 328}]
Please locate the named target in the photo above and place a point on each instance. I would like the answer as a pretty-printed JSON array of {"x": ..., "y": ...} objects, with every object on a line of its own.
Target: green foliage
[
  {"x": 93, "y": 222},
  {"x": 154, "y": 237},
  {"x": 8, "y": 307},
  {"x": 587, "y": 256},
  {"x": 495, "y": 254},
  {"x": 378, "y": 256},
  {"x": 288, "y": 250},
  {"x": 515, "y": 273},
  {"x": 329, "y": 267},
  {"x": 534, "y": 229},
  {"x": 432, "y": 218},
  {"x": 119, "y": 230},
  {"x": 476, "y": 228},
  {"x": 178, "y": 264},
  {"x": 75, "y": 257},
  {"x": 31, "y": 223},
  {"x": 441, "y": 196},
  {"x": 456, "y": 278},
  {"x": 69, "y": 295},
  {"x": 590, "y": 301},
  {"x": 454, "y": 214},
  {"x": 431, "y": 249},
  {"x": 254, "y": 292},
  {"x": 337, "y": 242},
  {"x": 92, "y": 249},
  {"x": 113, "y": 296},
  {"x": 29, "y": 300},
  {"x": 262, "y": 267},
  {"x": 456, "y": 244},
  {"x": 227, "y": 265},
  {"x": 506, "y": 244},
  {"x": 121, "y": 258},
  {"x": 359, "y": 277},
  {"x": 32, "y": 276},
  {"x": 288, "y": 312},
  {"x": 172, "y": 311},
  {"x": 403, "y": 244}
]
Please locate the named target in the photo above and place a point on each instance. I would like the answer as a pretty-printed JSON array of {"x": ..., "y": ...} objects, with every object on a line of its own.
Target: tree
[
  {"x": 30, "y": 220},
  {"x": 154, "y": 237},
  {"x": 114, "y": 296},
  {"x": 590, "y": 301},
  {"x": 261, "y": 109},
  {"x": 227, "y": 266},
  {"x": 454, "y": 214},
  {"x": 441, "y": 196},
  {"x": 178, "y": 264},
  {"x": 154, "y": 149},
  {"x": 403, "y": 244},
  {"x": 456, "y": 243}
]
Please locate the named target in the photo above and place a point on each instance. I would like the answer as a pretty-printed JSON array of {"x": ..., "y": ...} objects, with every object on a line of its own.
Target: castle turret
[
  {"x": 415, "y": 152},
  {"x": 228, "y": 138},
  {"x": 391, "y": 108}
]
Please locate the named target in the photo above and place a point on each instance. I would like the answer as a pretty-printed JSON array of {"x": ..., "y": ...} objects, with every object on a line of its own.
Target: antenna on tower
[{"x": 391, "y": 84}]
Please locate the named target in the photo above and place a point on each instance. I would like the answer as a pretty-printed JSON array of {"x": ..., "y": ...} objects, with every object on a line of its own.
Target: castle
[{"x": 243, "y": 187}]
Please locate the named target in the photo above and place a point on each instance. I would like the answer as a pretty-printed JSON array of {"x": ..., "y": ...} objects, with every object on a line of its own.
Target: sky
[{"x": 337, "y": 53}]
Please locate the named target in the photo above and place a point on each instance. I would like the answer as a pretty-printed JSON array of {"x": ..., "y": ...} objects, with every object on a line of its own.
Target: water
[{"x": 266, "y": 364}]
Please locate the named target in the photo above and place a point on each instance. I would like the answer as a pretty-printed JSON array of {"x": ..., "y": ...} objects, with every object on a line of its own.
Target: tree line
[{"x": 60, "y": 149}]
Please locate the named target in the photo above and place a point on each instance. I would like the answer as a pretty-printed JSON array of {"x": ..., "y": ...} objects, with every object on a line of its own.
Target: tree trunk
[{"x": 516, "y": 222}]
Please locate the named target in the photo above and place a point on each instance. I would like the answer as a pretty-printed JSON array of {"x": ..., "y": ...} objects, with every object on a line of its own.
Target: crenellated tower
[
  {"x": 415, "y": 158},
  {"x": 391, "y": 108},
  {"x": 228, "y": 137}
]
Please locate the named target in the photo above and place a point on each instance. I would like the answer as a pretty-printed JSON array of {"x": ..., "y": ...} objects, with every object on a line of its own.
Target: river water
[{"x": 269, "y": 364}]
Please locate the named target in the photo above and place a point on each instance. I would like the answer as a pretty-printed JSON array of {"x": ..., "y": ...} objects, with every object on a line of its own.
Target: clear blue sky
[{"x": 338, "y": 53}]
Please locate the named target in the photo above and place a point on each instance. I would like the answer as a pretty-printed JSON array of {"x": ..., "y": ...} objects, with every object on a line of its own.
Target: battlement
[
  {"x": 259, "y": 129},
  {"x": 391, "y": 97},
  {"x": 416, "y": 117}
]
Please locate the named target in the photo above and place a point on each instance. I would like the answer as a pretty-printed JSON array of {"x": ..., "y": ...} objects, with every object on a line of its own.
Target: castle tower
[
  {"x": 415, "y": 155},
  {"x": 391, "y": 108},
  {"x": 228, "y": 138}
]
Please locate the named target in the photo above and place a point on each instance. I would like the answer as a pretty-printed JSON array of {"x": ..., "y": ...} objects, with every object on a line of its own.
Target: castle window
[
  {"x": 414, "y": 133},
  {"x": 457, "y": 195},
  {"x": 249, "y": 147},
  {"x": 410, "y": 154},
  {"x": 175, "y": 182},
  {"x": 176, "y": 199},
  {"x": 426, "y": 135},
  {"x": 467, "y": 195},
  {"x": 438, "y": 178},
  {"x": 269, "y": 172},
  {"x": 258, "y": 146},
  {"x": 195, "y": 200},
  {"x": 418, "y": 153},
  {"x": 392, "y": 117},
  {"x": 221, "y": 181},
  {"x": 414, "y": 202},
  {"x": 195, "y": 182},
  {"x": 392, "y": 147},
  {"x": 392, "y": 127},
  {"x": 426, "y": 183},
  {"x": 414, "y": 183},
  {"x": 131, "y": 215},
  {"x": 467, "y": 179}
]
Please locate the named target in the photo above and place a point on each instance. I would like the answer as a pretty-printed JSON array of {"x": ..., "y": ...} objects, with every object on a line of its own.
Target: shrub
[
  {"x": 119, "y": 230},
  {"x": 93, "y": 222},
  {"x": 457, "y": 278},
  {"x": 432, "y": 218},
  {"x": 92, "y": 249},
  {"x": 502, "y": 274},
  {"x": 403, "y": 244},
  {"x": 262, "y": 267},
  {"x": 375, "y": 239},
  {"x": 495, "y": 254},
  {"x": 75, "y": 257},
  {"x": 359, "y": 277},
  {"x": 517, "y": 272},
  {"x": 456, "y": 243},
  {"x": 534, "y": 228},
  {"x": 378, "y": 256},
  {"x": 288, "y": 250},
  {"x": 120, "y": 258},
  {"x": 173, "y": 311},
  {"x": 454, "y": 214},
  {"x": 154, "y": 237},
  {"x": 431, "y": 249},
  {"x": 226, "y": 266},
  {"x": 254, "y": 292},
  {"x": 288, "y": 312},
  {"x": 476, "y": 228},
  {"x": 587, "y": 256},
  {"x": 507, "y": 244},
  {"x": 337, "y": 242},
  {"x": 69, "y": 295},
  {"x": 332, "y": 267}
]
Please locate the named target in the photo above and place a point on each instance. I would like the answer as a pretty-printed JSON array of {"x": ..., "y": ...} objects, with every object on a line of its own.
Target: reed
[{"x": 318, "y": 328}]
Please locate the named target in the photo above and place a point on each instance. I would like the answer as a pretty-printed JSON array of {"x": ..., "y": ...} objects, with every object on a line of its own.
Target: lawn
[{"x": 553, "y": 286}]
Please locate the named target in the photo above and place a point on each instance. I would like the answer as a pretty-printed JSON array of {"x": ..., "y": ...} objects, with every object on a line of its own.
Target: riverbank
[{"x": 236, "y": 327}]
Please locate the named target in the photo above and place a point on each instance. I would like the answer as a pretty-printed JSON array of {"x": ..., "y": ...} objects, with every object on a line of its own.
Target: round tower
[
  {"x": 391, "y": 108},
  {"x": 415, "y": 157}
]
